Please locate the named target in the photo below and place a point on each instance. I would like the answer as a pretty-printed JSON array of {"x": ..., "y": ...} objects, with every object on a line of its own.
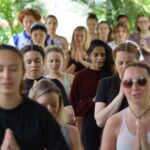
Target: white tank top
[{"x": 125, "y": 138}]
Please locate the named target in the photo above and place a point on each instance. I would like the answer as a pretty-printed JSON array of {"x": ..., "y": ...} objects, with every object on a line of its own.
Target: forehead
[
  {"x": 135, "y": 72},
  {"x": 121, "y": 55},
  {"x": 103, "y": 25},
  {"x": 51, "y": 19},
  {"x": 50, "y": 97},
  {"x": 54, "y": 54},
  {"x": 79, "y": 32},
  {"x": 99, "y": 49},
  {"x": 9, "y": 57},
  {"x": 91, "y": 20},
  {"x": 38, "y": 31},
  {"x": 32, "y": 55},
  {"x": 28, "y": 17},
  {"x": 143, "y": 18}
]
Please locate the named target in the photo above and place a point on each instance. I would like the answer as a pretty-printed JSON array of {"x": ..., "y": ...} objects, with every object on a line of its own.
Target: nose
[
  {"x": 135, "y": 85},
  {"x": 33, "y": 64},
  {"x": 6, "y": 73}
]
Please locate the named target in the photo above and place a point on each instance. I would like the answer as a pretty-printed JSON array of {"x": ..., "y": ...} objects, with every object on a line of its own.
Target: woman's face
[
  {"x": 122, "y": 59},
  {"x": 51, "y": 24},
  {"x": 54, "y": 61},
  {"x": 121, "y": 35},
  {"x": 136, "y": 93},
  {"x": 79, "y": 38},
  {"x": 92, "y": 25},
  {"x": 51, "y": 102},
  {"x": 98, "y": 57},
  {"x": 143, "y": 23},
  {"x": 103, "y": 29},
  {"x": 33, "y": 64},
  {"x": 38, "y": 37},
  {"x": 11, "y": 72},
  {"x": 27, "y": 22}
]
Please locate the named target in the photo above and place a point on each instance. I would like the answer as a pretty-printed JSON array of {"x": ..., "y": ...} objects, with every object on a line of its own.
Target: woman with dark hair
[
  {"x": 142, "y": 37},
  {"x": 92, "y": 22},
  {"x": 39, "y": 34},
  {"x": 83, "y": 91},
  {"x": 33, "y": 56},
  {"x": 24, "y": 124},
  {"x": 55, "y": 39}
]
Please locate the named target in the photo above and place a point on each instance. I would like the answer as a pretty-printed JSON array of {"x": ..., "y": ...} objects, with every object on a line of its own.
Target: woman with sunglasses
[{"x": 129, "y": 129}]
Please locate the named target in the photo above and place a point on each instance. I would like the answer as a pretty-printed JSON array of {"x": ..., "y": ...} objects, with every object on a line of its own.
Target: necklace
[{"x": 139, "y": 117}]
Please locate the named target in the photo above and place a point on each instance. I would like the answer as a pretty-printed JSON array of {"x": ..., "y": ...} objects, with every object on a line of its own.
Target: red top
[{"x": 83, "y": 91}]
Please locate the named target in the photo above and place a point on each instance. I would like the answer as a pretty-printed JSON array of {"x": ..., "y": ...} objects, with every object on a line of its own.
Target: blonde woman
[
  {"x": 47, "y": 94},
  {"x": 77, "y": 58},
  {"x": 54, "y": 61}
]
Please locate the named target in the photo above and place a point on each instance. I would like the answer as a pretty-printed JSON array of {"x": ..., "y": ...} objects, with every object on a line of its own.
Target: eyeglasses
[{"x": 141, "y": 81}]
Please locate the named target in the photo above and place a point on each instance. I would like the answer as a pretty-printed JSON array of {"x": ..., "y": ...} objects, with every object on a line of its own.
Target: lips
[{"x": 9, "y": 84}]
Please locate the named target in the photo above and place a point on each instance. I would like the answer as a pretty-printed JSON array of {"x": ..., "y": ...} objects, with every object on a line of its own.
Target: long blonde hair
[
  {"x": 86, "y": 44},
  {"x": 45, "y": 86}
]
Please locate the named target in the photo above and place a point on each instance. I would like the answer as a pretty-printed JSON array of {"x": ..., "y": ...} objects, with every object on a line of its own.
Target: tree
[
  {"x": 109, "y": 9},
  {"x": 9, "y": 11}
]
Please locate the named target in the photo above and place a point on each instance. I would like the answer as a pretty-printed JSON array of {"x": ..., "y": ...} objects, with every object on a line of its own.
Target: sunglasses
[{"x": 141, "y": 81}]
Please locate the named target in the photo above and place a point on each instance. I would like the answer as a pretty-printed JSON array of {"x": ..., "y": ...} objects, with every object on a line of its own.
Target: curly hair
[{"x": 29, "y": 12}]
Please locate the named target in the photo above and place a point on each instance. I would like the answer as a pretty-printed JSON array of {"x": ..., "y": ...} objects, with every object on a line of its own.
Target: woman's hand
[
  {"x": 140, "y": 137},
  {"x": 9, "y": 141},
  {"x": 144, "y": 45}
]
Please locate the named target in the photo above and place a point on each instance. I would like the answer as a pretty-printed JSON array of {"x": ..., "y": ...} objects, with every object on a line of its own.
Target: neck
[
  {"x": 52, "y": 34},
  {"x": 10, "y": 101},
  {"x": 103, "y": 38},
  {"x": 95, "y": 68},
  {"x": 118, "y": 42},
  {"x": 54, "y": 74},
  {"x": 33, "y": 78},
  {"x": 139, "y": 112},
  {"x": 145, "y": 33}
]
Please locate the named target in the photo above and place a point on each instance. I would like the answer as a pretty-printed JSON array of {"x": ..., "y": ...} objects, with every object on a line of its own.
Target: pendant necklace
[{"x": 139, "y": 117}]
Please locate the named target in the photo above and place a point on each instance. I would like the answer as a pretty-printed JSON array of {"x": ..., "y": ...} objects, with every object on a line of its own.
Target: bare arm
[
  {"x": 65, "y": 43},
  {"x": 103, "y": 112},
  {"x": 75, "y": 137},
  {"x": 109, "y": 134}
]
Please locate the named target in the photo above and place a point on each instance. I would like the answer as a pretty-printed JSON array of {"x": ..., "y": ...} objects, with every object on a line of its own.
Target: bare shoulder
[
  {"x": 62, "y": 38},
  {"x": 74, "y": 136},
  {"x": 115, "y": 122}
]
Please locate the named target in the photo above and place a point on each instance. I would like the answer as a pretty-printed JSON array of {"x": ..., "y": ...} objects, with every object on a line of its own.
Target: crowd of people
[{"x": 90, "y": 94}]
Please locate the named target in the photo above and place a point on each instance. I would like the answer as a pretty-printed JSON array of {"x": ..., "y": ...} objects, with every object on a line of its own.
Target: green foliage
[
  {"x": 9, "y": 11},
  {"x": 109, "y": 9}
]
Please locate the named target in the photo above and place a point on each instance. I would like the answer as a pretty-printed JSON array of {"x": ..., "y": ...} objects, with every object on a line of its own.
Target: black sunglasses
[{"x": 141, "y": 81}]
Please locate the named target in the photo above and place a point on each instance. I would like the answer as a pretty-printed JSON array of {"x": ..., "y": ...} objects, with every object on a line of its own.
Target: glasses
[{"x": 141, "y": 81}]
